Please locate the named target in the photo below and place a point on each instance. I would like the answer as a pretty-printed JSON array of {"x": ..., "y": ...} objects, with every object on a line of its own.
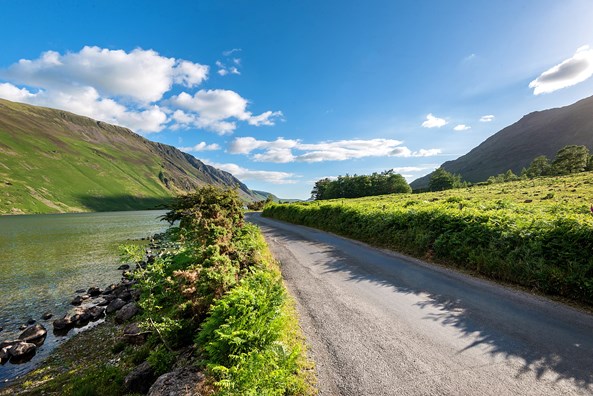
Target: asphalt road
[{"x": 379, "y": 323}]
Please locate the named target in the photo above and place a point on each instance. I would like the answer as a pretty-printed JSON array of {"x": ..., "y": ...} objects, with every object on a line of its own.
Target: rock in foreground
[{"x": 181, "y": 382}]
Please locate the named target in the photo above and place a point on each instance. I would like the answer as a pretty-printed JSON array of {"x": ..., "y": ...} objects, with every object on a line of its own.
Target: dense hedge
[{"x": 545, "y": 246}]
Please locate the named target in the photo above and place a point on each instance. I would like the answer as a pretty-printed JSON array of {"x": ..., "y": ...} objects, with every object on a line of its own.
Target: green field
[
  {"x": 39, "y": 176},
  {"x": 535, "y": 233}
]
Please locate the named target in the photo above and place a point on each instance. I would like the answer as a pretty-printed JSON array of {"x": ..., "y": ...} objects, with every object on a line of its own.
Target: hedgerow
[{"x": 536, "y": 233}]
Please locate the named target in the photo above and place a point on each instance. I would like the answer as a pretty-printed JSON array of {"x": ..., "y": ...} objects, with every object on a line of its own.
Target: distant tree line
[
  {"x": 259, "y": 205},
  {"x": 356, "y": 186},
  {"x": 569, "y": 159}
]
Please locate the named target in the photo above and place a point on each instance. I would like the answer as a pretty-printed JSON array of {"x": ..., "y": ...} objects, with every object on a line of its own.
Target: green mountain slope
[
  {"x": 54, "y": 161},
  {"x": 514, "y": 147}
]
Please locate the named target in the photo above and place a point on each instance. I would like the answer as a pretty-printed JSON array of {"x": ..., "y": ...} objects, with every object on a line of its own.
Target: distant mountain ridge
[
  {"x": 56, "y": 161},
  {"x": 514, "y": 147}
]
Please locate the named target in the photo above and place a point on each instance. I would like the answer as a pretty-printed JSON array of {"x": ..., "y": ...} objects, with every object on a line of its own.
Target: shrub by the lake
[{"x": 220, "y": 291}]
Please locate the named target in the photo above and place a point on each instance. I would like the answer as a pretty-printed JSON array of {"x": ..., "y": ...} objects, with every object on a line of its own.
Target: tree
[
  {"x": 320, "y": 189},
  {"x": 570, "y": 159},
  {"x": 589, "y": 163},
  {"x": 540, "y": 166},
  {"x": 443, "y": 180},
  {"x": 393, "y": 183},
  {"x": 510, "y": 176}
]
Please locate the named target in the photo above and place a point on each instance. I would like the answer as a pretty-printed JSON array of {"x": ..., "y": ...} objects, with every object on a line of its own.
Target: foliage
[
  {"x": 262, "y": 372},
  {"x": 243, "y": 342},
  {"x": 355, "y": 186},
  {"x": 256, "y": 301},
  {"x": 504, "y": 177},
  {"x": 570, "y": 159},
  {"x": 220, "y": 288},
  {"x": 105, "y": 380},
  {"x": 540, "y": 166},
  {"x": 442, "y": 180},
  {"x": 161, "y": 360},
  {"x": 259, "y": 205},
  {"x": 537, "y": 233}
]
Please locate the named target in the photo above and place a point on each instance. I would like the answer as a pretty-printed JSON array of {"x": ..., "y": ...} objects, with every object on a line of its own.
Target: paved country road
[{"x": 383, "y": 324}]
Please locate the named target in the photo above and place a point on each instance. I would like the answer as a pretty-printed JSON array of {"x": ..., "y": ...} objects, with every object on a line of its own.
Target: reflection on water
[{"x": 44, "y": 259}]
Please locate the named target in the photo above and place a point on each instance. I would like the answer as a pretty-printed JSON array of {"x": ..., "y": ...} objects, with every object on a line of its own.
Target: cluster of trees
[
  {"x": 357, "y": 186},
  {"x": 569, "y": 159},
  {"x": 443, "y": 180}
]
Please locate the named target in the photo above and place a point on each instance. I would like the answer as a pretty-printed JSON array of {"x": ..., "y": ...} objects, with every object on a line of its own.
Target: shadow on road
[{"x": 547, "y": 339}]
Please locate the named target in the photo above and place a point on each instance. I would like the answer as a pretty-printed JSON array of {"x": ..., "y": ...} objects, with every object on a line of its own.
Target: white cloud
[
  {"x": 182, "y": 118},
  {"x": 140, "y": 75},
  {"x": 11, "y": 92},
  {"x": 265, "y": 118},
  {"x": 231, "y": 51},
  {"x": 248, "y": 174},
  {"x": 190, "y": 74},
  {"x": 218, "y": 109},
  {"x": 87, "y": 101},
  {"x": 426, "y": 153},
  {"x": 462, "y": 127},
  {"x": 487, "y": 118},
  {"x": 570, "y": 72},
  {"x": 230, "y": 65},
  {"x": 434, "y": 122},
  {"x": 202, "y": 146},
  {"x": 282, "y": 150},
  {"x": 469, "y": 58},
  {"x": 129, "y": 89},
  {"x": 403, "y": 169}
]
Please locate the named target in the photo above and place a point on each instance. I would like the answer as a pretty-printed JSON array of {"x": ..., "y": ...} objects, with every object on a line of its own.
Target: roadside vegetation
[
  {"x": 537, "y": 233},
  {"x": 222, "y": 292},
  {"x": 212, "y": 300}
]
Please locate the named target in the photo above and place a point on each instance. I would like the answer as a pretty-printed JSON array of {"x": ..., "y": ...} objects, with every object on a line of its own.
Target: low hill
[
  {"x": 264, "y": 195},
  {"x": 514, "y": 147},
  {"x": 54, "y": 161}
]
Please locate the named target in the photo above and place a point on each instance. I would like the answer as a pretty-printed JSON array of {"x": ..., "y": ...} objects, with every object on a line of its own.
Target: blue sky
[{"x": 283, "y": 93}]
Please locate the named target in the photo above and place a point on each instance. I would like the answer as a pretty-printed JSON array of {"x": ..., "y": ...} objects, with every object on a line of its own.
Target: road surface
[{"x": 379, "y": 323}]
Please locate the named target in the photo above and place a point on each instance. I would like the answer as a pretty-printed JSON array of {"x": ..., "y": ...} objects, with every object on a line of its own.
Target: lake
[{"x": 44, "y": 259}]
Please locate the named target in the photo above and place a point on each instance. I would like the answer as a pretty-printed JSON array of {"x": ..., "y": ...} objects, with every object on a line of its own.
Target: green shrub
[
  {"x": 247, "y": 318},
  {"x": 161, "y": 360},
  {"x": 105, "y": 380}
]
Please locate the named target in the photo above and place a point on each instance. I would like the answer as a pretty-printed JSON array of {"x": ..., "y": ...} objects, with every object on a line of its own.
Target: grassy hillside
[
  {"x": 536, "y": 233},
  {"x": 514, "y": 147},
  {"x": 55, "y": 161}
]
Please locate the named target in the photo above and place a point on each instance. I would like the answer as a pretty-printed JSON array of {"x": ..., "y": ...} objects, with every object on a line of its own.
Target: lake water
[{"x": 44, "y": 259}]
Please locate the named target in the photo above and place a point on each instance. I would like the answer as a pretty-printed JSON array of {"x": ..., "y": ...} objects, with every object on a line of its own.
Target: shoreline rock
[
  {"x": 34, "y": 334},
  {"x": 90, "y": 305}
]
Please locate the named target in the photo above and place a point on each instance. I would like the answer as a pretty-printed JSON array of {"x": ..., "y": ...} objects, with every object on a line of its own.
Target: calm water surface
[{"x": 44, "y": 259}]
